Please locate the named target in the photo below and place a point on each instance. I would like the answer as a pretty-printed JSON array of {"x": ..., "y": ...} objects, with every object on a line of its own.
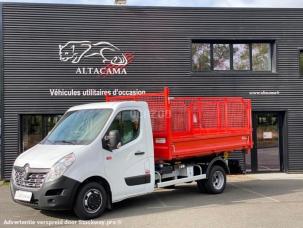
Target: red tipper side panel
[{"x": 185, "y": 127}]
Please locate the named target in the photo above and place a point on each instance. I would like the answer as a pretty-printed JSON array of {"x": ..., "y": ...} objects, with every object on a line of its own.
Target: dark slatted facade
[{"x": 160, "y": 39}]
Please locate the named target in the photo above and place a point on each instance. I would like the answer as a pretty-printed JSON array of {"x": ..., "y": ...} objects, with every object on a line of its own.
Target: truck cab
[{"x": 97, "y": 154}]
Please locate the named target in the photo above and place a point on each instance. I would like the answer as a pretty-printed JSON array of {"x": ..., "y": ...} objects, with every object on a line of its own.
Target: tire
[
  {"x": 216, "y": 181},
  {"x": 91, "y": 201}
]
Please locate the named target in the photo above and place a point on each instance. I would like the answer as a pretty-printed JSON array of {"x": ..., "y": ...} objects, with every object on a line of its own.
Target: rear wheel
[
  {"x": 215, "y": 183},
  {"x": 91, "y": 201}
]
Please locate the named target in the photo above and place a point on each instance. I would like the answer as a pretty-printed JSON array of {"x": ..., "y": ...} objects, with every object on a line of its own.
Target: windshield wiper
[{"x": 64, "y": 141}]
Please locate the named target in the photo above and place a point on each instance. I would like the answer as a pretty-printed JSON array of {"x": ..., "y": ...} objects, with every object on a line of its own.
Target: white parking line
[{"x": 256, "y": 193}]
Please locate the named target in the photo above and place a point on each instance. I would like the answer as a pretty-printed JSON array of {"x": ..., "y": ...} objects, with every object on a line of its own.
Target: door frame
[{"x": 283, "y": 136}]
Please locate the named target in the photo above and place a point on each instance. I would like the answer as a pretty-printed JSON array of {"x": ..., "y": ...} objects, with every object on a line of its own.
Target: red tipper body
[{"x": 188, "y": 127}]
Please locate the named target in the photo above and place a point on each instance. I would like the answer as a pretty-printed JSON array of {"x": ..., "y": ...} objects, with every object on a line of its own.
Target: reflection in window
[
  {"x": 301, "y": 62},
  {"x": 51, "y": 121},
  {"x": 31, "y": 130},
  {"x": 79, "y": 127},
  {"x": 261, "y": 57},
  {"x": 201, "y": 57},
  {"x": 241, "y": 57},
  {"x": 257, "y": 56},
  {"x": 221, "y": 57}
]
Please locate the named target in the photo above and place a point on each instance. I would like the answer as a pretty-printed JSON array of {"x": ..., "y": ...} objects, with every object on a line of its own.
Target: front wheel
[
  {"x": 91, "y": 201},
  {"x": 216, "y": 181}
]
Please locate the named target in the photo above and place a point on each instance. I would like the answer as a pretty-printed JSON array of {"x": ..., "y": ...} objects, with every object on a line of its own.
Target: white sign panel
[{"x": 267, "y": 135}]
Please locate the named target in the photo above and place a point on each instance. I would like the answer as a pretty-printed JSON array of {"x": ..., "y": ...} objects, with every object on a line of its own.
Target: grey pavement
[{"x": 260, "y": 200}]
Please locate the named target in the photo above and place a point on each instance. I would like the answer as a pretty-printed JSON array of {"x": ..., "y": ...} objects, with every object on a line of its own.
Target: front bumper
[{"x": 54, "y": 195}]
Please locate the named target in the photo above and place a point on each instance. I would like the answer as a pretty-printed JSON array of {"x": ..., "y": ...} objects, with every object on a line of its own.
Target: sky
[{"x": 189, "y": 3}]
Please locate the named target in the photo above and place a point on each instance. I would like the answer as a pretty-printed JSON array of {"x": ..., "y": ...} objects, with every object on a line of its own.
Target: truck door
[{"x": 127, "y": 164}]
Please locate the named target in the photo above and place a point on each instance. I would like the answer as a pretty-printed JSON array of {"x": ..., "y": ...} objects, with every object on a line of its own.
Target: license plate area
[{"x": 23, "y": 196}]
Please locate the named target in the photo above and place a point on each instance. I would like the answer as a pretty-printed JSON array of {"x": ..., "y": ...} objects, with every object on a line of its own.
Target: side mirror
[{"x": 112, "y": 139}]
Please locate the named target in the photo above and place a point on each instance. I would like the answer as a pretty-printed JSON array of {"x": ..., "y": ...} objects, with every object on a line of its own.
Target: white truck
[{"x": 105, "y": 152}]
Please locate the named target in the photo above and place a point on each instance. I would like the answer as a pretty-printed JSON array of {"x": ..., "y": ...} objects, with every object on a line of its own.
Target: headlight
[{"x": 60, "y": 167}]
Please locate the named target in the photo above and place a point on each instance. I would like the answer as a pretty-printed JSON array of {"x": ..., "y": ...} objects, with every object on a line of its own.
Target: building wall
[{"x": 160, "y": 39}]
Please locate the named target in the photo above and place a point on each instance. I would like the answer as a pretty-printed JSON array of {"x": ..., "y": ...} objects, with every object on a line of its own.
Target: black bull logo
[{"x": 74, "y": 51}]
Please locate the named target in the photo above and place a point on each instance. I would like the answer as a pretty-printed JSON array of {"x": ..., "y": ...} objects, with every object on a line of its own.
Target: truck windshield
[{"x": 78, "y": 127}]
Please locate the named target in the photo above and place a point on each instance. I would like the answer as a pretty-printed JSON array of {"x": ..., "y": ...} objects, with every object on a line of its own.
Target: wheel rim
[
  {"x": 92, "y": 200},
  {"x": 218, "y": 180}
]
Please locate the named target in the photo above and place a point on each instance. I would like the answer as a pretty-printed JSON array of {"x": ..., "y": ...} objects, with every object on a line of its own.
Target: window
[
  {"x": 79, "y": 127},
  {"x": 127, "y": 123},
  {"x": 35, "y": 127},
  {"x": 232, "y": 55},
  {"x": 201, "y": 57},
  {"x": 301, "y": 61},
  {"x": 221, "y": 57},
  {"x": 261, "y": 57},
  {"x": 241, "y": 58}
]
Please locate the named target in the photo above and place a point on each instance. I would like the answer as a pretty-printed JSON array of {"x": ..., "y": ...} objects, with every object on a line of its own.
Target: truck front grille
[{"x": 30, "y": 178}]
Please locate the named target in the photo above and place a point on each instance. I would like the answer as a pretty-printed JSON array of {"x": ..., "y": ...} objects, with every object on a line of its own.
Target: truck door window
[{"x": 127, "y": 123}]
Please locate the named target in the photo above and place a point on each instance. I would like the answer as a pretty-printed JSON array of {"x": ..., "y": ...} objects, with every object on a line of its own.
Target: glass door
[
  {"x": 266, "y": 154},
  {"x": 268, "y": 151}
]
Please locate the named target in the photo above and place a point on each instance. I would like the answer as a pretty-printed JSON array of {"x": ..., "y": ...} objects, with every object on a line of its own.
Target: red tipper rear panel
[{"x": 186, "y": 127}]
